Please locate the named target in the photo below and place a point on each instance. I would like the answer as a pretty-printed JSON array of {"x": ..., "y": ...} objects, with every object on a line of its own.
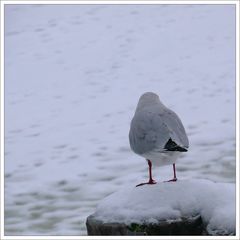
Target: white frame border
[{"x": 113, "y": 2}]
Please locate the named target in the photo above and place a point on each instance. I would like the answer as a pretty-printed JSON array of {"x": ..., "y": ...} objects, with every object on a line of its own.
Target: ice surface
[
  {"x": 73, "y": 76},
  {"x": 171, "y": 201}
]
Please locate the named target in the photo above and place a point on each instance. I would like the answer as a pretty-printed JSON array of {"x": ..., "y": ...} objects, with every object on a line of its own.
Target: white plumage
[{"x": 156, "y": 132}]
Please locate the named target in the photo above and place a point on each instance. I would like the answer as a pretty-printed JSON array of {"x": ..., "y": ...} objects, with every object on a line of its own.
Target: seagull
[{"x": 157, "y": 134}]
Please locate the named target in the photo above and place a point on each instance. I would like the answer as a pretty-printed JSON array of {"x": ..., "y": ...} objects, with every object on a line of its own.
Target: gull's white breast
[{"x": 161, "y": 158}]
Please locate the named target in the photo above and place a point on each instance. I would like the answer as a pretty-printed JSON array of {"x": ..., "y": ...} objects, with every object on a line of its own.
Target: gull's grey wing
[
  {"x": 148, "y": 131},
  {"x": 152, "y": 129},
  {"x": 176, "y": 128}
]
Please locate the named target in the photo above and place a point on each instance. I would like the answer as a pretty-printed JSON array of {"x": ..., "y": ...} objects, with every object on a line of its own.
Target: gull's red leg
[
  {"x": 150, "y": 181},
  {"x": 174, "y": 175},
  {"x": 174, "y": 172}
]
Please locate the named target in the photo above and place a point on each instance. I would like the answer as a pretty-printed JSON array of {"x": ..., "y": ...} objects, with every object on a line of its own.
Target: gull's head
[{"x": 148, "y": 99}]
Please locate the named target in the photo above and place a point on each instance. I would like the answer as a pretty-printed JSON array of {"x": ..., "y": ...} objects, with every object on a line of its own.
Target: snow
[
  {"x": 172, "y": 201},
  {"x": 73, "y": 76}
]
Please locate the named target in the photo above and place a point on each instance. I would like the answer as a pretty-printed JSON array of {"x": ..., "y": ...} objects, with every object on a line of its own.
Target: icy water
[{"x": 73, "y": 76}]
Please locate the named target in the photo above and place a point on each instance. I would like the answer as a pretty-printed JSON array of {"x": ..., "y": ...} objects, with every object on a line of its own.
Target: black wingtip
[{"x": 172, "y": 146}]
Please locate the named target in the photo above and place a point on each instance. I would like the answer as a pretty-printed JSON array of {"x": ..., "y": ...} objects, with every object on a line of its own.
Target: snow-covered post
[{"x": 187, "y": 207}]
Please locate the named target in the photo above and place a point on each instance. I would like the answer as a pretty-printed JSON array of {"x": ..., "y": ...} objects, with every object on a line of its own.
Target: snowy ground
[{"x": 73, "y": 76}]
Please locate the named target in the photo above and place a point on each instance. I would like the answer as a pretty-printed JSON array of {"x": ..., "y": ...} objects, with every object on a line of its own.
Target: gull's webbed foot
[{"x": 149, "y": 182}]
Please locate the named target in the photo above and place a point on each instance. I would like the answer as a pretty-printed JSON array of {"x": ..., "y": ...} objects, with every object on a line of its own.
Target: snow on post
[{"x": 187, "y": 207}]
